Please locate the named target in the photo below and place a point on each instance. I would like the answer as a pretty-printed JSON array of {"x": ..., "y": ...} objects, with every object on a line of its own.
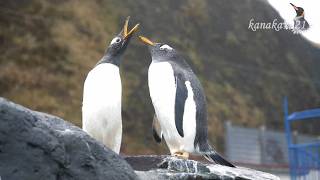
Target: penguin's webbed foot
[{"x": 182, "y": 155}]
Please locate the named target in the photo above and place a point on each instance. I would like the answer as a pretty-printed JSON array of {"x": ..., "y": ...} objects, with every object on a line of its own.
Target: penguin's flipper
[
  {"x": 156, "y": 129},
  {"x": 181, "y": 96}
]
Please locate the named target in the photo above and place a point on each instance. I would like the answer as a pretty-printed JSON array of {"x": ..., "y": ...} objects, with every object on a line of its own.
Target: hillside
[{"x": 48, "y": 47}]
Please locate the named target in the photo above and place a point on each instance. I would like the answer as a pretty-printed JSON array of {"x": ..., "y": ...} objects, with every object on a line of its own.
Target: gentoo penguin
[
  {"x": 101, "y": 107},
  {"x": 299, "y": 21},
  {"x": 179, "y": 103}
]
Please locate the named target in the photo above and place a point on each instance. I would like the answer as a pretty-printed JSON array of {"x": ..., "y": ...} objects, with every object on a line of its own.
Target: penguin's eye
[
  {"x": 165, "y": 47},
  {"x": 115, "y": 40}
]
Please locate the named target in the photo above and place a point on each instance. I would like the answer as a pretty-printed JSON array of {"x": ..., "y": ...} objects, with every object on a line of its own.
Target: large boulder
[
  {"x": 37, "y": 146},
  {"x": 164, "y": 167}
]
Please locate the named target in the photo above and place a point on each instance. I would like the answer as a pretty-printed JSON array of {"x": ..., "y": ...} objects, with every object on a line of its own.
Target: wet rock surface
[
  {"x": 167, "y": 167},
  {"x": 38, "y": 146}
]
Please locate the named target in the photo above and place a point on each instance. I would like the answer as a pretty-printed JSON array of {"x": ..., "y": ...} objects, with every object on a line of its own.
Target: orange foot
[{"x": 182, "y": 155}]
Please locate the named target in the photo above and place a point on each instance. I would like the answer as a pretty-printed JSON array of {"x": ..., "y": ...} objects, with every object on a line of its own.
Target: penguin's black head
[
  {"x": 120, "y": 42},
  {"x": 158, "y": 50},
  {"x": 299, "y": 10}
]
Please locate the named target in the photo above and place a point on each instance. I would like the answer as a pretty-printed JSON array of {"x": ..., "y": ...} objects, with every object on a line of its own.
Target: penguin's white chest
[
  {"x": 101, "y": 108},
  {"x": 162, "y": 89}
]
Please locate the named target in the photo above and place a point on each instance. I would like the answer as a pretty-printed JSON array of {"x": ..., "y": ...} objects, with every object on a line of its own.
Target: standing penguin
[
  {"x": 179, "y": 103},
  {"x": 300, "y": 23},
  {"x": 101, "y": 107}
]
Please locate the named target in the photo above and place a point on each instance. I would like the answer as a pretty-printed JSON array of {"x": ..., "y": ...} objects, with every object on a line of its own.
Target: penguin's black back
[{"x": 183, "y": 72}]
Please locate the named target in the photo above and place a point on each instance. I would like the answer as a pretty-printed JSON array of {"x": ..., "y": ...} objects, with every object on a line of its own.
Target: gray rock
[
  {"x": 167, "y": 167},
  {"x": 38, "y": 146}
]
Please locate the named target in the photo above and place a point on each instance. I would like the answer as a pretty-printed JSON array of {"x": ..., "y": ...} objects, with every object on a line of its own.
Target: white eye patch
[
  {"x": 165, "y": 47},
  {"x": 115, "y": 40}
]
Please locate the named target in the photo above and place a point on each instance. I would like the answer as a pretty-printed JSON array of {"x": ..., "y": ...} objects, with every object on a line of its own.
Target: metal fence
[
  {"x": 261, "y": 148},
  {"x": 255, "y": 146}
]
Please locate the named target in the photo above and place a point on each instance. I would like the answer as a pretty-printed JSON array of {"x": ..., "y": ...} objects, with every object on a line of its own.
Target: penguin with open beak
[
  {"x": 102, "y": 91},
  {"x": 179, "y": 103},
  {"x": 300, "y": 23}
]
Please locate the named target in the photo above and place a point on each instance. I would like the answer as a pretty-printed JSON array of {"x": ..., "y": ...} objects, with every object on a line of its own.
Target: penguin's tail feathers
[{"x": 213, "y": 156}]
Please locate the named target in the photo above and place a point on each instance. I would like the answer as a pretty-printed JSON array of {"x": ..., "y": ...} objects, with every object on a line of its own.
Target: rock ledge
[
  {"x": 167, "y": 167},
  {"x": 36, "y": 145}
]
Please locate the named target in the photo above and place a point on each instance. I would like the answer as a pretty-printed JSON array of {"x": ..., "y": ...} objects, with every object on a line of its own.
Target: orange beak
[
  {"x": 127, "y": 34},
  {"x": 146, "y": 41}
]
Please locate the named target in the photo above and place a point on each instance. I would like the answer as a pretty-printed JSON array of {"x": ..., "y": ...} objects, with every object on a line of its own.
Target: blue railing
[{"x": 304, "y": 158}]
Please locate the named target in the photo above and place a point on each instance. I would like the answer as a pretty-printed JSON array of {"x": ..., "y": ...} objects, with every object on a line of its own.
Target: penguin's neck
[
  {"x": 155, "y": 60},
  {"x": 299, "y": 17},
  {"x": 107, "y": 58}
]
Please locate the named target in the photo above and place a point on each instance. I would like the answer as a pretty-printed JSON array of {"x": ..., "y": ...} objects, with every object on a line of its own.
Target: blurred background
[{"x": 47, "y": 48}]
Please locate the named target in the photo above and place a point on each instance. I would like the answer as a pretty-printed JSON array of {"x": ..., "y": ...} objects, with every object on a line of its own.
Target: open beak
[
  {"x": 127, "y": 34},
  {"x": 146, "y": 41},
  {"x": 295, "y": 7}
]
